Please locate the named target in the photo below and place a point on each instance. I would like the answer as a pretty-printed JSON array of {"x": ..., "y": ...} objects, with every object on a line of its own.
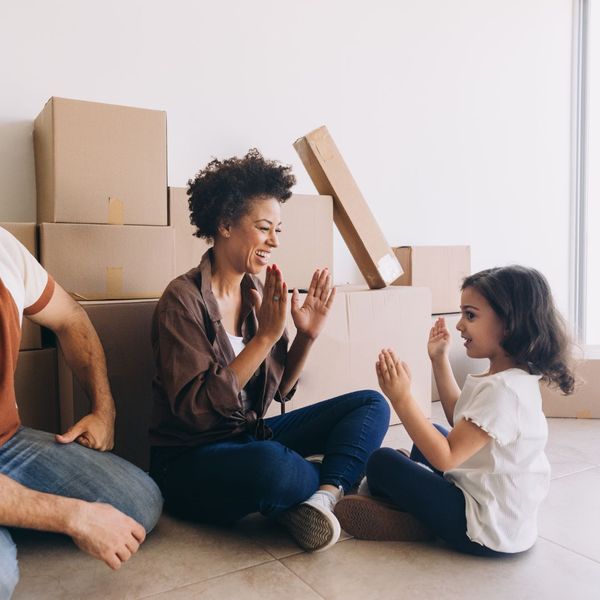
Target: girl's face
[
  {"x": 480, "y": 327},
  {"x": 251, "y": 239}
]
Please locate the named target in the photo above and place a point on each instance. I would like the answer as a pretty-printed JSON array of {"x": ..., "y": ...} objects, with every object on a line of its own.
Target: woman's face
[{"x": 253, "y": 237}]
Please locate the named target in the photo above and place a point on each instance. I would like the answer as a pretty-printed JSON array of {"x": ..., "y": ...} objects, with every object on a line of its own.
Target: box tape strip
[
  {"x": 115, "y": 211},
  {"x": 114, "y": 282}
]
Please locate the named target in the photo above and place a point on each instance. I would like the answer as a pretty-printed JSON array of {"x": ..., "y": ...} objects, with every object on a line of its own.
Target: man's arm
[
  {"x": 84, "y": 354},
  {"x": 98, "y": 529}
]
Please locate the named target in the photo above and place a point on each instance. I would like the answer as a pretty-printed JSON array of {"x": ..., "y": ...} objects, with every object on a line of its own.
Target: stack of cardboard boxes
[{"x": 113, "y": 236}]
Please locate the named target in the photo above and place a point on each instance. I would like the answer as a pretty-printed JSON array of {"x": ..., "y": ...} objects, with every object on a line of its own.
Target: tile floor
[{"x": 255, "y": 560}]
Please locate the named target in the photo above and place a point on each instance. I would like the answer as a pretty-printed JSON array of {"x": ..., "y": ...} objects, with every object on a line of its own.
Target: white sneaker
[
  {"x": 312, "y": 522},
  {"x": 363, "y": 488}
]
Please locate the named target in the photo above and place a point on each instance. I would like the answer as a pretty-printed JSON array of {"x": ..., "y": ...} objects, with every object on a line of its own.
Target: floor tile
[
  {"x": 270, "y": 581},
  {"x": 575, "y": 439},
  {"x": 356, "y": 570},
  {"x": 175, "y": 554},
  {"x": 570, "y": 517}
]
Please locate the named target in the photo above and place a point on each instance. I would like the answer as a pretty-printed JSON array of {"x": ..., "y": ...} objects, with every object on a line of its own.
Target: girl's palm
[{"x": 439, "y": 340}]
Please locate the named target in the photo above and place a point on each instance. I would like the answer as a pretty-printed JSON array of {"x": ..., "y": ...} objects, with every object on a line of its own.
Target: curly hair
[
  {"x": 223, "y": 190},
  {"x": 536, "y": 334}
]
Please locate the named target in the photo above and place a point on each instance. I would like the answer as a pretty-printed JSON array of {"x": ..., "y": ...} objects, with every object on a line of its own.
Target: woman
[{"x": 222, "y": 356}]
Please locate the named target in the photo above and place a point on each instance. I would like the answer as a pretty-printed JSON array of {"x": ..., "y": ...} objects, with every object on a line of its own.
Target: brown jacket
[{"x": 197, "y": 397}]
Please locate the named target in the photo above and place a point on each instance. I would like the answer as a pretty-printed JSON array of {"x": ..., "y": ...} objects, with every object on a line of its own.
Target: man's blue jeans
[
  {"x": 35, "y": 460},
  {"x": 224, "y": 481}
]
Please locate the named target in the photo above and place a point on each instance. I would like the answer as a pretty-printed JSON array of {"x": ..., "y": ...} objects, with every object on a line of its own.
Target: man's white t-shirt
[{"x": 505, "y": 482}]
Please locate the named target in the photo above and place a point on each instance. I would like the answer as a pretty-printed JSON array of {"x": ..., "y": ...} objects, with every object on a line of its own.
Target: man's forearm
[
  {"x": 24, "y": 507},
  {"x": 84, "y": 355}
]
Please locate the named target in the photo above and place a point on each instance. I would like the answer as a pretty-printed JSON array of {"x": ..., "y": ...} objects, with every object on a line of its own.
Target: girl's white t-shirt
[{"x": 505, "y": 482}]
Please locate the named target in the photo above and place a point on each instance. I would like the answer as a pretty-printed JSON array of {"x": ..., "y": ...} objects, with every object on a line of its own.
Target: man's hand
[
  {"x": 393, "y": 377},
  {"x": 95, "y": 431},
  {"x": 105, "y": 533}
]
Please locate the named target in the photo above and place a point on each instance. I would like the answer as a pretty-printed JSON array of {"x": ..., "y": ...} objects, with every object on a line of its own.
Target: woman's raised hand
[
  {"x": 438, "y": 345},
  {"x": 309, "y": 317},
  {"x": 272, "y": 307}
]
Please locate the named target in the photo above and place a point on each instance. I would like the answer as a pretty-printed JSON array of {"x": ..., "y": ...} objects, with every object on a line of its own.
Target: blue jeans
[
  {"x": 426, "y": 494},
  {"x": 224, "y": 481},
  {"x": 35, "y": 460}
]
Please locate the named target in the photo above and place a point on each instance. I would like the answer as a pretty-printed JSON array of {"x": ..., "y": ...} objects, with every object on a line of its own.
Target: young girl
[{"x": 489, "y": 474}]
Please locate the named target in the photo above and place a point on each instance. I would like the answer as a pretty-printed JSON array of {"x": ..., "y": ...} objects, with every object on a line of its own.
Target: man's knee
[
  {"x": 9, "y": 570},
  {"x": 145, "y": 500}
]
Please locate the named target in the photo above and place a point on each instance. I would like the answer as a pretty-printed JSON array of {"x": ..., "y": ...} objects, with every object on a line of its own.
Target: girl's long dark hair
[{"x": 536, "y": 334}]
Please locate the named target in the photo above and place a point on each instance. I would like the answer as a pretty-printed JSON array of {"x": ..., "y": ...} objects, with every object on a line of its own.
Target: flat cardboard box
[
  {"x": 360, "y": 324},
  {"x": 306, "y": 241},
  {"x": 100, "y": 163},
  {"x": 26, "y": 233},
  {"x": 584, "y": 403},
  {"x": 109, "y": 262},
  {"x": 461, "y": 364},
  {"x": 440, "y": 268},
  {"x": 352, "y": 216},
  {"x": 36, "y": 388},
  {"x": 124, "y": 330}
]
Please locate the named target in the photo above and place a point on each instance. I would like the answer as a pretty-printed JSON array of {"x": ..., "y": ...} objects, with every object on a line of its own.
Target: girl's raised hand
[
  {"x": 309, "y": 317},
  {"x": 393, "y": 376},
  {"x": 272, "y": 307},
  {"x": 438, "y": 345}
]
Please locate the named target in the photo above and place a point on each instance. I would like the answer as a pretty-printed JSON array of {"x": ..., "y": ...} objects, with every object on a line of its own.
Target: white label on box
[{"x": 389, "y": 268}]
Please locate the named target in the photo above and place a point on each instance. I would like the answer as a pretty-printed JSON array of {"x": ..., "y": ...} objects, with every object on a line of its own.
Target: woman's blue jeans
[
  {"x": 34, "y": 459},
  {"x": 224, "y": 481},
  {"x": 438, "y": 503}
]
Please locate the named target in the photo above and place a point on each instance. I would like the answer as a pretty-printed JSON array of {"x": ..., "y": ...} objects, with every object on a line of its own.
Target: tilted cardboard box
[
  {"x": 584, "y": 403},
  {"x": 352, "y": 216},
  {"x": 440, "y": 268},
  {"x": 36, "y": 388},
  {"x": 124, "y": 331},
  {"x": 100, "y": 163},
  {"x": 109, "y": 262},
  {"x": 362, "y": 322},
  {"x": 305, "y": 243}
]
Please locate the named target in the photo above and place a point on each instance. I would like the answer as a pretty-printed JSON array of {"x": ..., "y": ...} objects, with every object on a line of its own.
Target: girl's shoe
[
  {"x": 368, "y": 518},
  {"x": 312, "y": 522}
]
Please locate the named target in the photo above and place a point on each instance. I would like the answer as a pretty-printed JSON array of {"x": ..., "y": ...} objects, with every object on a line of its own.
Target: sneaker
[
  {"x": 369, "y": 518},
  {"x": 317, "y": 459},
  {"x": 363, "y": 488},
  {"x": 312, "y": 522}
]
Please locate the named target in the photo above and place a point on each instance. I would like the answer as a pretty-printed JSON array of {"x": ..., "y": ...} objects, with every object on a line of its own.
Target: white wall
[{"x": 454, "y": 115}]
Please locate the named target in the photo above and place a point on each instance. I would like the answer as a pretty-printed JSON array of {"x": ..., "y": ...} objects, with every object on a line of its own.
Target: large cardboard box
[
  {"x": 461, "y": 364},
  {"x": 306, "y": 241},
  {"x": 36, "y": 388},
  {"x": 124, "y": 330},
  {"x": 100, "y": 163},
  {"x": 361, "y": 232},
  {"x": 360, "y": 324},
  {"x": 440, "y": 268},
  {"x": 584, "y": 403},
  {"x": 26, "y": 233},
  {"x": 109, "y": 262}
]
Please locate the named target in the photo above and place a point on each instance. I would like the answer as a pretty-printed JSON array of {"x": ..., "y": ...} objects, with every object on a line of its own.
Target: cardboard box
[
  {"x": 360, "y": 324},
  {"x": 100, "y": 163},
  {"x": 109, "y": 262},
  {"x": 31, "y": 335},
  {"x": 584, "y": 403},
  {"x": 124, "y": 330},
  {"x": 26, "y": 233},
  {"x": 440, "y": 268},
  {"x": 461, "y": 364},
  {"x": 363, "y": 236},
  {"x": 306, "y": 241},
  {"x": 36, "y": 388}
]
